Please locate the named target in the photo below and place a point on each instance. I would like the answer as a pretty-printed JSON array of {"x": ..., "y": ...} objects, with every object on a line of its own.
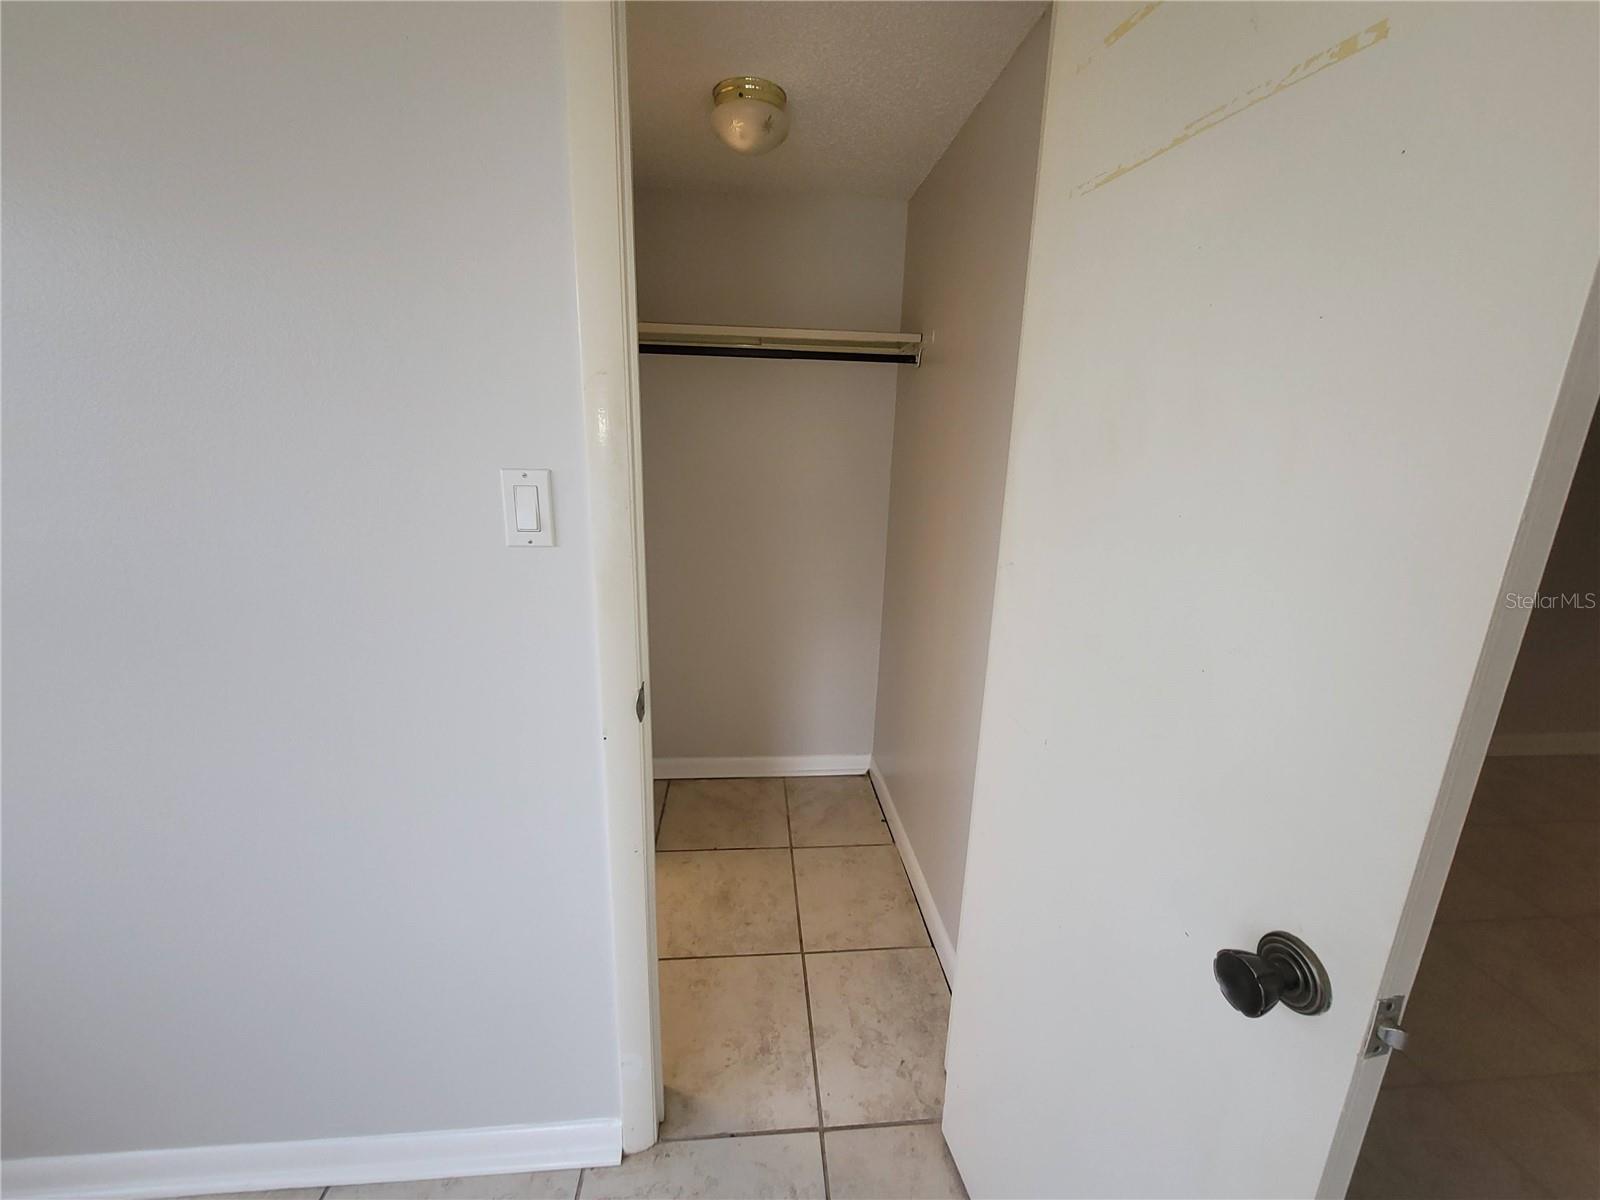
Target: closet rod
[
  {"x": 775, "y": 352},
  {"x": 738, "y": 341}
]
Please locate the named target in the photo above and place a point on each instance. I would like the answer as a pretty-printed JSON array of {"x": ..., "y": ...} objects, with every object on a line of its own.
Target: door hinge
[
  {"x": 1386, "y": 1034},
  {"x": 638, "y": 705}
]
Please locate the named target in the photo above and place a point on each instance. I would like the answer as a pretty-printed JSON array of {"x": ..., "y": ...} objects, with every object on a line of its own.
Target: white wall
[
  {"x": 303, "y": 833},
  {"x": 766, "y": 481},
  {"x": 966, "y": 262}
]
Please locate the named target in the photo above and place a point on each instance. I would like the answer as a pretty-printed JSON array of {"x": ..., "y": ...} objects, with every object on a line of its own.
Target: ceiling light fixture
[{"x": 751, "y": 115}]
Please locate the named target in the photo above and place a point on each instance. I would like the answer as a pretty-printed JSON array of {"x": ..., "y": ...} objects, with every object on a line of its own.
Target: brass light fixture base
[{"x": 750, "y": 87}]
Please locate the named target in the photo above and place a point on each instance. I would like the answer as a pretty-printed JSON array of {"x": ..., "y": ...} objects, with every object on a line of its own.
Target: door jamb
[
  {"x": 1547, "y": 495},
  {"x": 594, "y": 40}
]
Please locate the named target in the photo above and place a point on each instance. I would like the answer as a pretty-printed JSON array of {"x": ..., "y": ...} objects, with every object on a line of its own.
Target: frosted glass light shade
[{"x": 750, "y": 115}]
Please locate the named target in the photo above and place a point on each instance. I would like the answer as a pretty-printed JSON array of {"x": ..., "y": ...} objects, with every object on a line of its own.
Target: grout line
[
  {"x": 709, "y": 957},
  {"x": 805, "y": 982},
  {"x": 869, "y": 949},
  {"x": 882, "y": 1124},
  {"x": 846, "y": 845},
  {"x": 755, "y": 1133},
  {"x": 785, "y": 846},
  {"x": 788, "y": 953},
  {"x": 901, "y": 855},
  {"x": 577, "y": 1191},
  {"x": 743, "y": 1133}
]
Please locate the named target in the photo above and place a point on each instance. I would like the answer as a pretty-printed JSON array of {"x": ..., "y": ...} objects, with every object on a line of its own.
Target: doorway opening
[
  {"x": 829, "y": 335},
  {"x": 1497, "y": 1093}
]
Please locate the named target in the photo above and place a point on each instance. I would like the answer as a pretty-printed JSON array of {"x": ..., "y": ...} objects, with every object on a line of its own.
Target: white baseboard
[
  {"x": 263, "y": 1166},
  {"x": 761, "y": 768},
  {"x": 1509, "y": 744},
  {"x": 942, "y": 945}
]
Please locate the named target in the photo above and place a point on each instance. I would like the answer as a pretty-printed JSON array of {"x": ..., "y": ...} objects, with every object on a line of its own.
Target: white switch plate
[{"x": 541, "y": 510}]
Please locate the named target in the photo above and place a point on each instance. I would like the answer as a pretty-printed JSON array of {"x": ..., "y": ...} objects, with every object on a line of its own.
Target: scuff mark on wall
[
  {"x": 1337, "y": 53},
  {"x": 1121, "y": 31}
]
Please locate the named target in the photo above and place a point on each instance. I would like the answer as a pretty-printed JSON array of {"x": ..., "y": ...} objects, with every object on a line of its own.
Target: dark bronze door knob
[{"x": 1283, "y": 969}]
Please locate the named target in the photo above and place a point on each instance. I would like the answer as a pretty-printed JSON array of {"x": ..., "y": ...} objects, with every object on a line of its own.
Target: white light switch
[
  {"x": 525, "y": 497},
  {"x": 526, "y": 502}
]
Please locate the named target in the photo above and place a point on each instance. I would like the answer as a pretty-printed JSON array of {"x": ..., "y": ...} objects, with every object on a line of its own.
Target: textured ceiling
[{"x": 876, "y": 90}]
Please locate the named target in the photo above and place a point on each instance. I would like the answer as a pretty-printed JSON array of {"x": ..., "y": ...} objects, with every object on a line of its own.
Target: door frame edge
[{"x": 595, "y": 62}]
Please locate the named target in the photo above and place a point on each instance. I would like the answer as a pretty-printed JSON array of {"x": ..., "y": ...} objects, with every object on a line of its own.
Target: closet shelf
[{"x": 742, "y": 341}]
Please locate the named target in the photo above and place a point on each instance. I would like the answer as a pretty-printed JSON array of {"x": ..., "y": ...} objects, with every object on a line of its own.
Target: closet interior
[{"x": 828, "y": 333}]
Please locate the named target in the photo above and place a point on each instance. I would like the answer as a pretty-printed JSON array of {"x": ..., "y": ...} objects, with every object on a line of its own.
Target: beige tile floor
[
  {"x": 803, "y": 1010},
  {"x": 1499, "y": 1093}
]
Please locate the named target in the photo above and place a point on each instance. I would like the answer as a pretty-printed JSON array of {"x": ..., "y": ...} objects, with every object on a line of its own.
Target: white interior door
[{"x": 1305, "y": 285}]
